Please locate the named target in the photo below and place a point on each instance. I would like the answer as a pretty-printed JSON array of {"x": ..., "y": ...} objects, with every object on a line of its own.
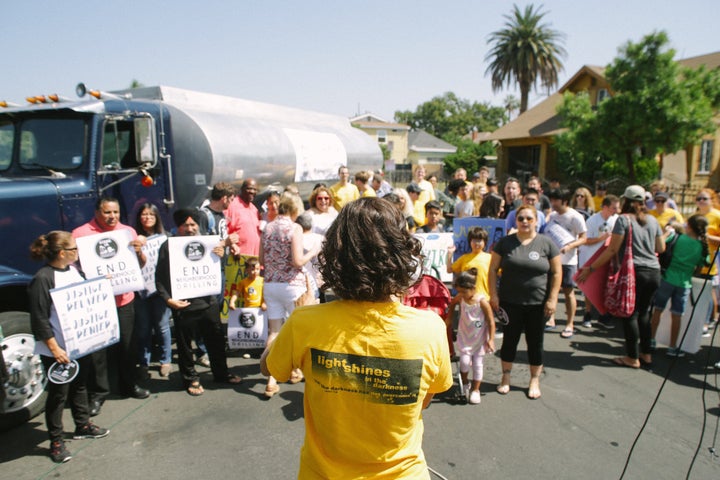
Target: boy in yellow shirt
[{"x": 250, "y": 287}]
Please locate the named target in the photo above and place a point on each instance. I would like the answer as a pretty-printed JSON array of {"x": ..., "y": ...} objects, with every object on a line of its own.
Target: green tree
[
  {"x": 656, "y": 107},
  {"x": 524, "y": 52},
  {"x": 136, "y": 84},
  {"x": 469, "y": 156},
  {"x": 450, "y": 117}
]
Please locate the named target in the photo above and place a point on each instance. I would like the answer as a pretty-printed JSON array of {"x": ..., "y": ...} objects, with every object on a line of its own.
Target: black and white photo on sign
[
  {"x": 109, "y": 254},
  {"x": 86, "y": 315},
  {"x": 194, "y": 268},
  {"x": 247, "y": 328}
]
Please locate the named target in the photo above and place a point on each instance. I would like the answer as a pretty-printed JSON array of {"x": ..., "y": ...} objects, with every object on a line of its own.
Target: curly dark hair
[{"x": 369, "y": 254}]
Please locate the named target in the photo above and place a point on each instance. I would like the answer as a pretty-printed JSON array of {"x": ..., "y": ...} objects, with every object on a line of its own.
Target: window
[
  {"x": 602, "y": 94},
  {"x": 705, "y": 160},
  {"x": 382, "y": 136},
  {"x": 118, "y": 145},
  {"x": 56, "y": 143},
  {"x": 7, "y": 133}
]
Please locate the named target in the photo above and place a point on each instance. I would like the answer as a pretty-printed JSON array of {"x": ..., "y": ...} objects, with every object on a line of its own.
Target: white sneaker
[{"x": 474, "y": 397}]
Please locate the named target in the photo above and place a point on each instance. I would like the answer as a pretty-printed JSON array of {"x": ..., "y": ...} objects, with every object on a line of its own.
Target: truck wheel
[{"x": 25, "y": 389}]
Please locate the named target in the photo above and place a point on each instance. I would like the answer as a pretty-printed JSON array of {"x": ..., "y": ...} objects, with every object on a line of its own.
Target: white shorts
[{"x": 280, "y": 299}]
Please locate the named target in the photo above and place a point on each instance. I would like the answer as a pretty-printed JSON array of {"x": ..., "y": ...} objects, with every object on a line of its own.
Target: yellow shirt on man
[{"x": 343, "y": 194}]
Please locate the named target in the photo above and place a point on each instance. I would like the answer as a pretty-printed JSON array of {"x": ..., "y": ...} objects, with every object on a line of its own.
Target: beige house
[
  {"x": 407, "y": 148},
  {"x": 527, "y": 143},
  {"x": 393, "y": 135}
]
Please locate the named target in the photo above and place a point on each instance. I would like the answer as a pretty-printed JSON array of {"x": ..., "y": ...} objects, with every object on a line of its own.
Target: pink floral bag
[{"x": 620, "y": 287}]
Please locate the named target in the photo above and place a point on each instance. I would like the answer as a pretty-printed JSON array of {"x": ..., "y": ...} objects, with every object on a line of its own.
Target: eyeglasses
[
  {"x": 522, "y": 219},
  {"x": 322, "y": 198},
  {"x": 702, "y": 199}
]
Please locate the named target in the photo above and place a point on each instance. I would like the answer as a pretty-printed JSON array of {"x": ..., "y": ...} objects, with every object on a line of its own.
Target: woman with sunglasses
[
  {"x": 583, "y": 202},
  {"x": 707, "y": 201},
  {"x": 663, "y": 213},
  {"x": 647, "y": 241},
  {"x": 530, "y": 264},
  {"x": 321, "y": 210}
]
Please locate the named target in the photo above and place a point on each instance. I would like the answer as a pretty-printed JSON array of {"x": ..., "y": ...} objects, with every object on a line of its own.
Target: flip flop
[
  {"x": 620, "y": 361},
  {"x": 195, "y": 389},
  {"x": 550, "y": 328},
  {"x": 567, "y": 333}
]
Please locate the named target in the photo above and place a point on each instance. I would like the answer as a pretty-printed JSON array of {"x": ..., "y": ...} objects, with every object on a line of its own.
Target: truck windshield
[
  {"x": 7, "y": 132},
  {"x": 54, "y": 143}
]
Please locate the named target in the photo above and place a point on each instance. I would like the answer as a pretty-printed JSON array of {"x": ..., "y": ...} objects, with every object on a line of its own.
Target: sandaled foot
[
  {"x": 195, "y": 389},
  {"x": 534, "y": 390},
  {"x": 271, "y": 390},
  {"x": 165, "y": 369},
  {"x": 231, "y": 379},
  {"x": 503, "y": 389},
  {"x": 624, "y": 362},
  {"x": 296, "y": 376},
  {"x": 567, "y": 333}
]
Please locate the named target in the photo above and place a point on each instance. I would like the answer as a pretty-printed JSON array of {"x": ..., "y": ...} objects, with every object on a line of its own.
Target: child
[
  {"x": 433, "y": 218},
  {"x": 476, "y": 331},
  {"x": 311, "y": 241},
  {"x": 477, "y": 258},
  {"x": 690, "y": 251},
  {"x": 250, "y": 287}
]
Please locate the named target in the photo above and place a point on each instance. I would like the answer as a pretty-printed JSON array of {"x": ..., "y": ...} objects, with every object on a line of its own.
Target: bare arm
[
  {"x": 554, "y": 289},
  {"x": 298, "y": 258},
  {"x": 616, "y": 242},
  {"x": 492, "y": 280}
]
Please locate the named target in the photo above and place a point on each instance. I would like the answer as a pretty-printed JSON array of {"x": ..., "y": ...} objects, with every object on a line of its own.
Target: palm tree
[
  {"x": 511, "y": 103},
  {"x": 524, "y": 51}
]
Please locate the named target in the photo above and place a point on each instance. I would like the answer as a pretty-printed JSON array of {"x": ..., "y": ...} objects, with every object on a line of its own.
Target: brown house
[{"x": 527, "y": 143}]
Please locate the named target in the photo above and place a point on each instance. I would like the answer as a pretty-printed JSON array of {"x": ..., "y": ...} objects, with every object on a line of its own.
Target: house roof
[
  {"x": 543, "y": 121},
  {"x": 379, "y": 125},
  {"x": 421, "y": 141}
]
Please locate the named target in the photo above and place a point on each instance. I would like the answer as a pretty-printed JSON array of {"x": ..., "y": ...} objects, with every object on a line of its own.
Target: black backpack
[{"x": 666, "y": 257}]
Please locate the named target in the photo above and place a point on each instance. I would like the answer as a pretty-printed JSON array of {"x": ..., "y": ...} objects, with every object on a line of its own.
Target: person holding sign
[
  {"x": 199, "y": 313},
  {"x": 107, "y": 219},
  {"x": 60, "y": 251},
  {"x": 372, "y": 364}
]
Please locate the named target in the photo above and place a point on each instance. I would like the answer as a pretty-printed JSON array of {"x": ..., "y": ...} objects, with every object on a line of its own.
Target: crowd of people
[{"x": 344, "y": 239}]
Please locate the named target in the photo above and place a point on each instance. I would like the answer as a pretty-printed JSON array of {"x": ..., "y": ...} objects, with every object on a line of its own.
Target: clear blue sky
[{"x": 342, "y": 56}]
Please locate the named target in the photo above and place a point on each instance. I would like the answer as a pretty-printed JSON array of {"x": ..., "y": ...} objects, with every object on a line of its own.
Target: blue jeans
[{"x": 151, "y": 314}]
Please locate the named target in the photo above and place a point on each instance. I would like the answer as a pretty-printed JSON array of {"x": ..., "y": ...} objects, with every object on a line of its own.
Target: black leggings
[
  {"x": 528, "y": 318},
  {"x": 637, "y": 326}
]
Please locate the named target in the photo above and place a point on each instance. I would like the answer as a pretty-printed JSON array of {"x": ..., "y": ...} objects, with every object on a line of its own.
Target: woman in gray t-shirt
[
  {"x": 528, "y": 292},
  {"x": 647, "y": 240}
]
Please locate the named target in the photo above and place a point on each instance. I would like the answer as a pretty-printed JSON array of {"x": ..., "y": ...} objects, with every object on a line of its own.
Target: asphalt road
[{"x": 583, "y": 426}]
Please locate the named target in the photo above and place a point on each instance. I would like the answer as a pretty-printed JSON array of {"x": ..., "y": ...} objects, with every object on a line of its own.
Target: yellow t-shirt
[
  {"x": 252, "y": 291},
  {"x": 597, "y": 202},
  {"x": 480, "y": 261},
  {"x": 368, "y": 367},
  {"x": 369, "y": 193},
  {"x": 667, "y": 215},
  {"x": 343, "y": 195},
  {"x": 713, "y": 228}
]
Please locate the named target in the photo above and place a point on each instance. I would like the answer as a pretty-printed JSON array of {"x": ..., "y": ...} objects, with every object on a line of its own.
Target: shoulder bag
[{"x": 620, "y": 287}]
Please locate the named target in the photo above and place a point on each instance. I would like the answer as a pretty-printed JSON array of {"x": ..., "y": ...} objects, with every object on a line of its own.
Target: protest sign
[
  {"x": 558, "y": 234},
  {"x": 87, "y": 316},
  {"x": 150, "y": 249},
  {"x": 110, "y": 254},
  {"x": 247, "y": 328},
  {"x": 493, "y": 226},
  {"x": 194, "y": 268},
  {"x": 234, "y": 273},
  {"x": 434, "y": 251}
]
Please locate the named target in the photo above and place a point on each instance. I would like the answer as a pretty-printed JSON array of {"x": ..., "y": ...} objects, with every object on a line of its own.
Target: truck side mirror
[{"x": 145, "y": 151}]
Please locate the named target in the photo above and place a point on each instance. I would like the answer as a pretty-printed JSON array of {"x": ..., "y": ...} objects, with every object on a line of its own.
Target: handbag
[{"x": 620, "y": 287}]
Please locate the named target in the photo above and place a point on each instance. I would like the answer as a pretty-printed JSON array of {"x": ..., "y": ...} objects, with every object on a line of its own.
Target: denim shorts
[
  {"x": 677, "y": 295},
  {"x": 568, "y": 271}
]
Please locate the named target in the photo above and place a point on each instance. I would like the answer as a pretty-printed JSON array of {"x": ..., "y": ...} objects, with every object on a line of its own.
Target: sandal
[
  {"x": 195, "y": 389},
  {"x": 271, "y": 390},
  {"x": 567, "y": 333},
  {"x": 231, "y": 379},
  {"x": 620, "y": 361}
]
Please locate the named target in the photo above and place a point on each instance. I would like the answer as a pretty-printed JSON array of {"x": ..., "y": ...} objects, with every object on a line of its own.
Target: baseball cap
[{"x": 634, "y": 192}]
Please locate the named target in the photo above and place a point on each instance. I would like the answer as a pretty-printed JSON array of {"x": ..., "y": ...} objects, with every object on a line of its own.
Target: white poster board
[
  {"x": 558, "y": 234},
  {"x": 318, "y": 155},
  {"x": 194, "y": 269},
  {"x": 434, "y": 251},
  {"x": 109, "y": 254},
  {"x": 247, "y": 328},
  {"x": 694, "y": 334},
  {"x": 150, "y": 249},
  {"x": 87, "y": 315}
]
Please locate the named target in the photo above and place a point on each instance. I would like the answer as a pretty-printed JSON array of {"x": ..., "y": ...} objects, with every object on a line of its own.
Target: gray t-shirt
[
  {"x": 643, "y": 240},
  {"x": 525, "y": 269}
]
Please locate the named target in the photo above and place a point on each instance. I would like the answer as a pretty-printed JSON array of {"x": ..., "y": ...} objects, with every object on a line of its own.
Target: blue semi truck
[{"x": 161, "y": 145}]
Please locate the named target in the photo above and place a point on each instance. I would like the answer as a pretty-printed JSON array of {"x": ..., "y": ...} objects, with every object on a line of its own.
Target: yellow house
[
  {"x": 526, "y": 143},
  {"x": 393, "y": 135}
]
